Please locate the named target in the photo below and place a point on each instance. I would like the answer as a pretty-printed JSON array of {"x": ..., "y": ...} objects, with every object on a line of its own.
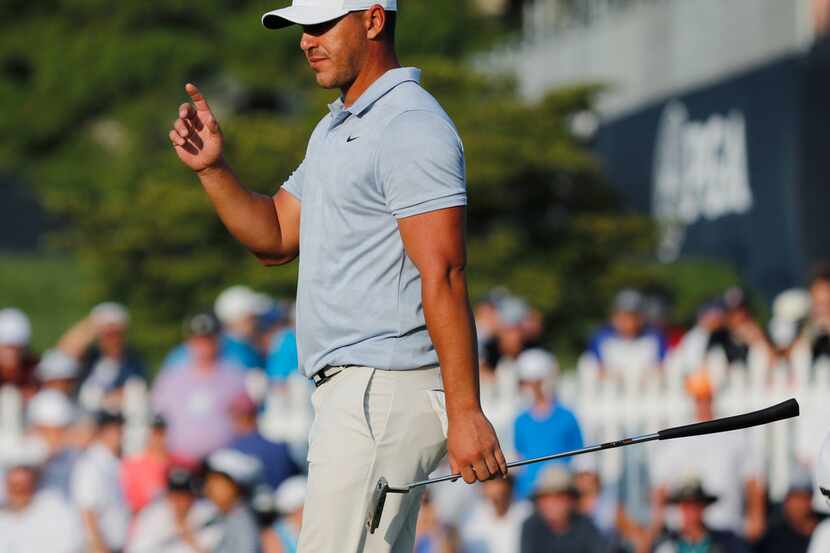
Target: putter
[{"x": 787, "y": 409}]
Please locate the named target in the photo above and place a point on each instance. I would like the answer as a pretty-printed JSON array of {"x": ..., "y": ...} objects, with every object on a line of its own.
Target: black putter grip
[{"x": 785, "y": 410}]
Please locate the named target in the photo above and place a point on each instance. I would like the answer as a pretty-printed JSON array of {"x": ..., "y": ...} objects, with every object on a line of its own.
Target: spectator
[
  {"x": 274, "y": 456},
  {"x": 282, "y": 358},
  {"x": 195, "y": 399},
  {"x": 694, "y": 535},
  {"x": 34, "y": 521},
  {"x": 51, "y": 415},
  {"x": 495, "y": 524},
  {"x": 556, "y": 526},
  {"x": 17, "y": 364},
  {"x": 627, "y": 350},
  {"x": 546, "y": 426},
  {"x": 596, "y": 502},
  {"x": 733, "y": 475},
  {"x": 742, "y": 336},
  {"x": 231, "y": 477},
  {"x": 99, "y": 343},
  {"x": 58, "y": 371},
  {"x": 792, "y": 533},
  {"x": 237, "y": 309},
  {"x": 177, "y": 522},
  {"x": 145, "y": 475},
  {"x": 690, "y": 354},
  {"x": 816, "y": 333},
  {"x": 96, "y": 487},
  {"x": 289, "y": 500}
]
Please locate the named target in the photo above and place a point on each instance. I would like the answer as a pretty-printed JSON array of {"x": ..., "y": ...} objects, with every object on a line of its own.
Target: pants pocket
[{"x": 439, "y": 404}]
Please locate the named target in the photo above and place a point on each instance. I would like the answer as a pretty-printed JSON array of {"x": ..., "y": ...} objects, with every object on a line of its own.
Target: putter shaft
[{"x": 514, "y": 464}]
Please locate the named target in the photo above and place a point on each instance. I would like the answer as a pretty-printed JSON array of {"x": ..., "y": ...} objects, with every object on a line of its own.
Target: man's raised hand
[{"x": 196, "y": 135}]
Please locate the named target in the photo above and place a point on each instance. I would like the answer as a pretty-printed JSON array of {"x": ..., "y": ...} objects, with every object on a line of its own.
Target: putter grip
[{"x": 785, "y": 410}]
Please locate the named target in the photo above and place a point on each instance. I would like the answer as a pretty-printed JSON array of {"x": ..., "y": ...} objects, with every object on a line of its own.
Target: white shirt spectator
[
  {"x": 154, "y": 530},
  {"x": 96, "y": 486},
  {"x": 484, "y": 532},
  {"x": 48, "y": 525},
  {"x": 820, "y": 542},
  {"x": 724, "y": 463}
]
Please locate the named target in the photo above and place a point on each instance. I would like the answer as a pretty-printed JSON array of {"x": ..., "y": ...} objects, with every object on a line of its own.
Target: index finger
[{"x": 196, "y": 95}]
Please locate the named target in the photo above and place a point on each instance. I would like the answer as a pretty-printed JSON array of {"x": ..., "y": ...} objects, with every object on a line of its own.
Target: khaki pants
[{"x": 370, "y": 423}]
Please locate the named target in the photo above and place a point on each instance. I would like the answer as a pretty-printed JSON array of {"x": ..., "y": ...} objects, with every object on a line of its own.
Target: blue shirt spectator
[
  {"x": 282, "y": 359},
  {"x": 539, "y": 433}
]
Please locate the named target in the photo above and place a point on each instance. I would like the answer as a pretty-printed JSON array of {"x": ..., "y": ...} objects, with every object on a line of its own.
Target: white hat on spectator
[
  {"x": 56, "y": 365},
  {"x": 290, "y": 495},
  {"x": 51, "y": 408},
  {"x": 536, "y": 364},
  {"x": 238, "y": 302},
  {"x": 30, "y": 453},
  {"x": 15, "y": 328},
  {"x": 629, "y": 301},
  {"x": 823, "y": 470},
  {"x": 110, "y": 314},
  {"x": 243, "y": 469}
]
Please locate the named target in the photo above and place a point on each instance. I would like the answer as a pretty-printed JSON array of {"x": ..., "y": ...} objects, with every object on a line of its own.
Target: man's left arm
[{"x": 434, "y": 241}]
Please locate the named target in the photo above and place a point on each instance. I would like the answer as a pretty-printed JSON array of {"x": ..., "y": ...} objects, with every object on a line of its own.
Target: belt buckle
[{"x": 322, "y": 376}]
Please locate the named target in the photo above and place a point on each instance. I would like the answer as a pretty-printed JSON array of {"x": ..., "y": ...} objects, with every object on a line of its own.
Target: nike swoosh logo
[{"x": 352, "y": 139}]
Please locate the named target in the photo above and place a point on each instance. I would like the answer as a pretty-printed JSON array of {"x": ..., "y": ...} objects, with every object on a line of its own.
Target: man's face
[
  {"x": 112, "y": 339},
  {"x": 498, "y": 492},
  {"x": 221, "y": 491},
  {"x": 798, "y": 505},
  {"x": 627, "y": 323},
  {"x": 556, "y": 508},
  {"x": 10, "y": 360},
  {"x": 691, "y": 514},
  {"x": 20, "y": 487},
  {"x": 204, "y": 349},
  {"x": 820, "y": 299},
  {"x": 336, "y": 50},
  {"x": 180, "y": 503}
]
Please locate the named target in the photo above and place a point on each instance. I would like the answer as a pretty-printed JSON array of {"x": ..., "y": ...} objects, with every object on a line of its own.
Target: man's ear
[{"x": 375, "y": 21}]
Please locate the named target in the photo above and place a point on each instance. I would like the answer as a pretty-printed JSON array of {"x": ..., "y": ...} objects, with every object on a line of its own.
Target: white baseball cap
[
  {"x": 237, "y": 302},
  {"x": 536, "y": 364},
  {"x": 243, "y": 469},
  {"x": 29, "y": 453},
  {"x": 52, "y": 409},
  {"x": 290, "y": 495},
  {"x": 15, "y": 328},
  {"x": 56, "y": 365},
  {"x": 110, "y": 314},
  {"x": 312, "y": 12}
]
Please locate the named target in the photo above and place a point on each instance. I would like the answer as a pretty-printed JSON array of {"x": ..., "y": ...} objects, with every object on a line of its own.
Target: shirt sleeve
[
  {"x": 421, "y": 164},
  {"x": 294, "y": 184}
]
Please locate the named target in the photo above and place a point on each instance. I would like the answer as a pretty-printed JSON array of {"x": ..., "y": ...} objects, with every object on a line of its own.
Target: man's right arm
[{"x": 268, "y": 227}]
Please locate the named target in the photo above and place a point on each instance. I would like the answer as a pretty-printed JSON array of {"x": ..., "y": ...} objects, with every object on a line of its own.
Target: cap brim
[{"x": 300, "y": 15}]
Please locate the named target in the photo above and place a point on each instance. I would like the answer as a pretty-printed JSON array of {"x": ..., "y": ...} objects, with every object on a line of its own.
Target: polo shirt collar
[{"x": 376, "y": 91}]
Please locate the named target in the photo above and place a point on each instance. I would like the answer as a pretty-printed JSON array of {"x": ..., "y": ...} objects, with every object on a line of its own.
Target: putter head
[{"x": 375, "y": 510}]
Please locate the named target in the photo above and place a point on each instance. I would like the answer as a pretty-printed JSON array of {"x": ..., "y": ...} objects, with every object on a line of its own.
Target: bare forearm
[
  {"x": 250, "y": 217},
  {"x": 93, "y": 534},
  {"x": 450, "y": 324}
]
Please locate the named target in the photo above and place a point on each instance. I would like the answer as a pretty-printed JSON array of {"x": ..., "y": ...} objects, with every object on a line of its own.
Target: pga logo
[{"x": 701, "y": 172}]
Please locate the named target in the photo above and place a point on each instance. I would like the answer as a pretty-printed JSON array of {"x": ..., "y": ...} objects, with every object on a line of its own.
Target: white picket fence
[{"x": 607, "y": 409}]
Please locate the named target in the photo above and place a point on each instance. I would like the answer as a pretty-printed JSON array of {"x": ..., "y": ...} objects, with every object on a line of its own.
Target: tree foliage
[{"x": 90, "y": 88}]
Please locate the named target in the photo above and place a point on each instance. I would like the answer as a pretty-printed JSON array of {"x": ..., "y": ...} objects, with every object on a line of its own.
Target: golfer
[{"x": 376, "y": 215}]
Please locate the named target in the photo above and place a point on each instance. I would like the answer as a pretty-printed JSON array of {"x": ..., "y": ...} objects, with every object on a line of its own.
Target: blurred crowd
[{"x": 209, "y": 457}]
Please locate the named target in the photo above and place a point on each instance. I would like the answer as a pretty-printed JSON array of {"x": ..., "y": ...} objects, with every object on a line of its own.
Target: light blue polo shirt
[{"x": 394, "y": 153}]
